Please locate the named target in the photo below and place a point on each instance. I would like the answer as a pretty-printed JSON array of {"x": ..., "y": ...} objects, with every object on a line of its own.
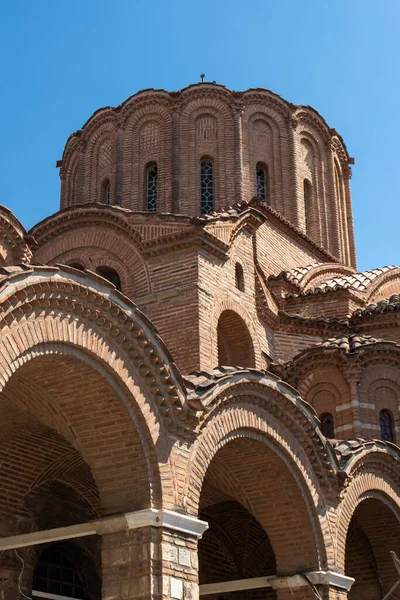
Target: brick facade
[{"x": 161, "y": 370}]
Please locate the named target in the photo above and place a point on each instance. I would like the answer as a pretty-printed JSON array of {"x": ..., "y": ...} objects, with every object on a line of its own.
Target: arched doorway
[
  {"x": 235, "y": 346},
  {"x": 373, "y": 532},
  {"x": 259, "y": 523}
]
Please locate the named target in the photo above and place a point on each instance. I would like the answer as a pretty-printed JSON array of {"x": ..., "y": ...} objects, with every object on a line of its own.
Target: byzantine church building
[{"x": 199, "y": 391}]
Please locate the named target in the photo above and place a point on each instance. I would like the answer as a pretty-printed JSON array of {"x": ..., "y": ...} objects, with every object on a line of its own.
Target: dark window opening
[
  {"x": 239, "y": 277},
  {"x": 77, "y": 266},
  {"x": 106, "y": 191},
  {"x": 386, "y": 426},
  {"x": 206, "y": 186},
  {"x": 111, "y": 275},
  {"x": 57, "y": 573},
  {"x": 327, "y": 425},
  {"x": 308, "y": 205},
  {"x": 152, "y": 184},
  {"x": 262, "y": 182}
]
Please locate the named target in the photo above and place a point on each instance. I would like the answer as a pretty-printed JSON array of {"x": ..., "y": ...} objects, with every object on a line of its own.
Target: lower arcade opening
[
  {"x": 373, "y": 533},
  {"x": 257, "y": 522}
]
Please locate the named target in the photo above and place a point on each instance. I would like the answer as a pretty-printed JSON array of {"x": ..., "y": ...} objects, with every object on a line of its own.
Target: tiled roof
[
  {"x": 346, "y": 450},
  {"x": 198, "y": 382},
  {"x": 391, "y": 304},
  {"x": 296, "y": 275},
  {"x": 349, "y": 342},
  {"x": 356, "y": 281}
]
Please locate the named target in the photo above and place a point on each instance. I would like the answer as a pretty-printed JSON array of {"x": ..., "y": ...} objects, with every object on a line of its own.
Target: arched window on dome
[
  {"x": 151, "y": 187},
  {"x": 239, "y": 277},
  {"x": 262, "y": 182},
  {"x": 308, "y": 206},
  {"x": 106, "y": 192},
  {"x": 206, "y": 186},
  {"x": 327, "y": 425},
  {"x": 76, "y": 265},
  {"x": 386, "y": 425},
  {"x": 111, "y": 275}
]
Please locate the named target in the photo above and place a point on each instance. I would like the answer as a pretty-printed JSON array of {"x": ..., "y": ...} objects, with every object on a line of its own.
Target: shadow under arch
[
  {"x": 235, "y": 345},
  {"x": 63, "y": 404},
  {"x": 256, "y": 478},
  {"x": 373, "y": 532}
]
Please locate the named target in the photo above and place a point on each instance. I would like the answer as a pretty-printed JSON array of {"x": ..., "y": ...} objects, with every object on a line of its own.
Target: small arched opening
[
  {"x": 386, "y": 426},
  {"x": 374, "y": 531},
  {"x": 327, "y": 425},
  {"x": 111, "y": 275},
  {"x": 106, "y": 192},
  {"x": 235, "y": 346},
  {"x": 308, "y": 207},
  {"x": 76, "y": 265}
]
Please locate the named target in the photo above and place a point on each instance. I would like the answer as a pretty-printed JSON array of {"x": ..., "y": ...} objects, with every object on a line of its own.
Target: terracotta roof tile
[
  {"x": 391, "y": 304},
  {"x": 349, "y": 342},
  {"x": 355, "y": 281},
  {"x": 346, "y": 450}
]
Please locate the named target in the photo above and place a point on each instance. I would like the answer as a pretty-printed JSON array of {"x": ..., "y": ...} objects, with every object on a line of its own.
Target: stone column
[
  {"x": 353, "y": 373},
  {"x": 153, "y": 562},
  {"x": 293, "y": 211},
  {"x": 334, "y": 203},
  {"x": 176, "y": 158},
  {"x": 238, "y": 109},
  {"x": 347, "y": 173},
  {"x": 179, "y": 566}
]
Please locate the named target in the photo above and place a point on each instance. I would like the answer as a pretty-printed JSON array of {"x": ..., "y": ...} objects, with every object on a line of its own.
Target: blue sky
[{"x": 60, "y": 61}]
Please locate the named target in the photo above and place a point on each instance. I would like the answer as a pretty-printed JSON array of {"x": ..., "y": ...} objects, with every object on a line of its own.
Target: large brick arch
[
  {"x": 372, "y": 475},
  {"x": 91, "y": 237},
  {"x": 54, "y": 324},
  {"x": 252, "y": 436}
]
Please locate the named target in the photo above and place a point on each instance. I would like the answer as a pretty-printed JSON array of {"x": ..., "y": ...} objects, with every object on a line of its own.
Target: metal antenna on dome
[
  {"x": 396, "y": 561},
  {"x": 202, "y": 77}
]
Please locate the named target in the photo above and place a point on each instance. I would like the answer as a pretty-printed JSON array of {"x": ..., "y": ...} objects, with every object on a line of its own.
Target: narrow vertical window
[
  {"x": 239, "y": 277},
  {"x": 106, "y": 191},
  {"x": 327, "y": 425},
  {"x": 206, "y": 186},
  {"x": 262, "y": 183},
  {"x": 386, "y": 426},
  {"x": 308, "y": 205},
  {"x": 152, "y": 183}
]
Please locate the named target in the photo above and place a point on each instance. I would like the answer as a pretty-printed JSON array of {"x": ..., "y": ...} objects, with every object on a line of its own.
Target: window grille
[
  {"x": 56, "y": 574},
  {"x": 386, "y": 426},
  {"x": 327, "y": 425},
  {"x": 206, "y": 186},
  {"x": 152, "y": 183},
  {"x": 261, "y": 179}
]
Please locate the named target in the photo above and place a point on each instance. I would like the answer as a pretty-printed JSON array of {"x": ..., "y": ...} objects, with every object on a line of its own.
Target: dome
[{"x": 205, "y": 148}]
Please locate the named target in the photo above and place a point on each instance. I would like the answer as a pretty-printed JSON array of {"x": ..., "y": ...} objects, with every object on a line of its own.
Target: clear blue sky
[{"x": 60, "y": 61}]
